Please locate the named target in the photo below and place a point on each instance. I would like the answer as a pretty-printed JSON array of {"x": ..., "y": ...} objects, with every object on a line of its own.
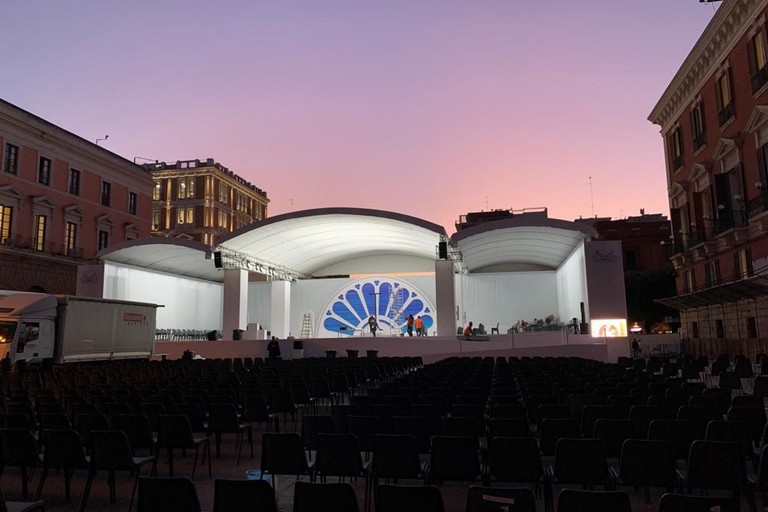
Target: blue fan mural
[{"x": 389, "y": 300}]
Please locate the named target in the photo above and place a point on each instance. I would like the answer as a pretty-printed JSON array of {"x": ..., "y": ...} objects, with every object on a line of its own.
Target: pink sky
[{"x": 431, "y": 108}]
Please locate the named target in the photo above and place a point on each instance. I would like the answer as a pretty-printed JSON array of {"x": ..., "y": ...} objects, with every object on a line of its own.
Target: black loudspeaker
[
  {"x": 217, "y": 259},
  {"x": 442, "y": 250}
]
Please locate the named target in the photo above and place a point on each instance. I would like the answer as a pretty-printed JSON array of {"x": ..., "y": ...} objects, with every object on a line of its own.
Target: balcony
[
  {"x": 757, "y": 205},
  {"x": 726, "y": 114},
  {"x": 50, "y": 247},
  {"x": 729, "y": 220},
  {"x": 759, "y": 79}
]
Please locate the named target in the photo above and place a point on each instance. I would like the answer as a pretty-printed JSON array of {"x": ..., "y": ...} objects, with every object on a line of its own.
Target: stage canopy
[
  {"x": 332, "y": 241},
  {"x": 522, "y": 243}
]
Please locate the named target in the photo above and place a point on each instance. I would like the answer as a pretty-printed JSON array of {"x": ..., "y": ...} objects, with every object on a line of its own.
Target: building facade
[
  {"x": 202, "y": 200},
  {"x": 714, "y": 123},
  {"x": 62, "y": 200}
]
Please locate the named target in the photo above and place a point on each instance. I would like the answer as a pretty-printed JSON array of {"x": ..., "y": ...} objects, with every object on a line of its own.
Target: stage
[{"x": 430, "y": 348}]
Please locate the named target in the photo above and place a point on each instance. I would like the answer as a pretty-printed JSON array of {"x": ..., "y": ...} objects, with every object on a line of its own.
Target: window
[
  {"x": 698, "y": 129},
  {"x": 180, "y": 215},
  {"x": 690, "y": 281},
  {"x": 155, "y": 220},
  {"x": 11, "y": 160},
  {"x": 719, "y": 328},
  {"x": 223, "y": 219},
  {"x": 223, "y": 193},
  {"x": 186, "y": 188},
  {"x": 758, "y": 61},
  {"x": 106, "y": 193},
  {"x": 44, "y": 171},
  {"x": 38, "y": 241},
  {"x": 73, "y": 185},
  {"x": 742, "y": 263},
  {"x": 156, "y": 191},
  {"x": 6, "y": 217},
  {"x": 70, "y": 240},
  {"x": 712, "y": 273},
  {"x": 132, "y": 203},
  {"x": 676, "y": 149},
  {"x": 190, "y": 215},
  {"x": 725, "y": 110},
  {"x": 103, "y": 239},
  {"x": 695, "y": 330},
  {"x": 630, "y": 260},
  {"x": 751, "y": 327}
]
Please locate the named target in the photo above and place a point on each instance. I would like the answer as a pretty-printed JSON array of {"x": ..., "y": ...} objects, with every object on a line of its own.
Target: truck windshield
[{"x": 7, "y": 330}]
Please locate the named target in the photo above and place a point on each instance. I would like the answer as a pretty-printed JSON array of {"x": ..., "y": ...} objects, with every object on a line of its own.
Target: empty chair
[
  {"x": 516, "y": 460},
  {"x": 339, "y": 455},
  {"x": 139, "y": 431},
  {"x": 642, "y": 415},
  {"x": 396, "y": 456},
  {"x": 256, "y": 410},
  {"x": 507, "y": 427},
  {"x": 482, "y": 499},
  {"x": 312, "y": 426},
  {"x": 223, "y": 419},
  {"x": 283, "y": 454},
  {"x": 580, "y": 461},
  {"x": 416, "y": 426},
  {"x": 63, "y": 451},
  {"x": 405, "y": 498},
  {"x": 454, "y": 458},
  {"x": 613, "y": 433},
  {"x": 678, "y": 432},
  {"x": 112, "y": 452},
  {"x": 572, "y": 500},
  {"x": 20, "y": 450},
  {"x": 243, "y": 496},
  {"x": 176, "y": 434},
  {"x": 647, "y": 464},
  {"x": 684, "y": 503},
  {"x": 727, "y": 474},
  {"x": 552, "y": 430},
  {"x": 310, "y": 497},
  {"x": 365, "y": 429},
  {"x": 167, "y": 494},
  {"x": 592, "y": 413}
]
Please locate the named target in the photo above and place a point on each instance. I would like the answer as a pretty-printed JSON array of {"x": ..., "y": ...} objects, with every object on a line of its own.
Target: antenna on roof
[
  {"x": 591, "y": 196},
  {"x": 99, "y": 140}
]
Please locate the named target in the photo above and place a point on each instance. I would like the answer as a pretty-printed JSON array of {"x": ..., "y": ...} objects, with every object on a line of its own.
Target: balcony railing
[
  {"x": 17, "y": 241},
  {"x": 725, "y": 114},
  {"x": 729, "y": 220},
  {"x": 759, "y": 79},
  {"x": 757, "y": 205}
]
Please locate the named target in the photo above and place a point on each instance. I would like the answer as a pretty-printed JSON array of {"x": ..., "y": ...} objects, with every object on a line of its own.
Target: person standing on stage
[
  {"x": 419, "y": 326},
  {"x": 373, "y": 325},
  {"x": 409, "y": 325}
]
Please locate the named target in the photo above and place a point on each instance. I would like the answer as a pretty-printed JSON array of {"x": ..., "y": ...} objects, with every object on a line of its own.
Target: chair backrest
[
  {"x": 63, "y": 449},
  {"x": 552, "y": 430},
  {"x": 19, "y": 448},
  {"x": 580, "y": 461},
  {"x": 525, "y": 466},
  {"x": 175, "y": 431},
  {"x": 683, "y": 503},
  {"x": 454, "y": 458},
  {"x": 243, "y": 496},
  {"x": 485, "y": 499},
  {"x": 416, "y": 426},
  {"x": 309, "y": 497},
  {"x": 111, "y": 450},
  {"x": 338, "y": 455},
  {"x": 314, "y": 425},
  {"x": 167, "y": 494},
  {"x": 573, "y": 500},
  {"x": 283, "y": 454},
  {"x": 396, "y": 456},
  {"x": 223, "y": 418},
  {"x": 647, "y": 463},
  {"x": 365, "y": 428},
  {"x": 728, "y": 473},
  {"x": 613, "y": 433},
  {"x": 404, "y": 498}
]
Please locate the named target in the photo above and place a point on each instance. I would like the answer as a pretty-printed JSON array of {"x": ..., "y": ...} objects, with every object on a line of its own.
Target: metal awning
[{"x": 744, "y": 289}]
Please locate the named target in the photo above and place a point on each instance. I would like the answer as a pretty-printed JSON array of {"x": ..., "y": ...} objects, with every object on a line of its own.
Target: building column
[
  {"x": 235, "y": 313},
  {"x": 446, "y": 299},
  {"x": 280, "y": 320}
]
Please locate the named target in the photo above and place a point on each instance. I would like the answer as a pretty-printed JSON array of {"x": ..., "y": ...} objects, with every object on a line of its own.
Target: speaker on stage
[
  {"x": 217, "y": 259},
  {"x": 442, "y": 250}
]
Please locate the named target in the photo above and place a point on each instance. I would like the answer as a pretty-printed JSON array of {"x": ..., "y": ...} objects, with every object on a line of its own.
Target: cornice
[{"x": 731, "y": 21}]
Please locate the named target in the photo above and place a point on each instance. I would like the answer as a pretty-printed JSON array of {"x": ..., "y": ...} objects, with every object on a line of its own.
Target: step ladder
[{"x": 306, "y": 325}]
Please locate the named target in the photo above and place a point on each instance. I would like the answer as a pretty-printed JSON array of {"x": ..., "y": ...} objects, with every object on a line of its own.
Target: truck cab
[{"x": 27, "y": 326}]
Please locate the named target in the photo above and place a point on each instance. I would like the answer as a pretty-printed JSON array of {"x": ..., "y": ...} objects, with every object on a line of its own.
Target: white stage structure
[{"x": 339, "y": 266}]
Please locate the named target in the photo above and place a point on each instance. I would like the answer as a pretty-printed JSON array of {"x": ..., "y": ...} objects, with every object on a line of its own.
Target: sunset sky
[{"x": 431, "y": 108}]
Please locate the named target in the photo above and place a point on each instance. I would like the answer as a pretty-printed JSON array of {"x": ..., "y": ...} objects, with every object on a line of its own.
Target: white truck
[{"x": 35, "y": 327}]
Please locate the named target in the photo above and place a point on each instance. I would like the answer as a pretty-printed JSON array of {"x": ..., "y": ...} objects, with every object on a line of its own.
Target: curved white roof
[
  {"x": 171, "y": 255},
  {"x": 311, "y": 240},
  {"x": 534, "y": 242}
]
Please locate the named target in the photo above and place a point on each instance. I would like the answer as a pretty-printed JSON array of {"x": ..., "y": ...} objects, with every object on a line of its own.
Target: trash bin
[
  {"x": 352, "y": 354},
  {"x": 298, "y": 349},
  {"x": 372, "y": 354},
  {"x": 237, "y": 334},
  {"x": 330, "y": 353}
]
